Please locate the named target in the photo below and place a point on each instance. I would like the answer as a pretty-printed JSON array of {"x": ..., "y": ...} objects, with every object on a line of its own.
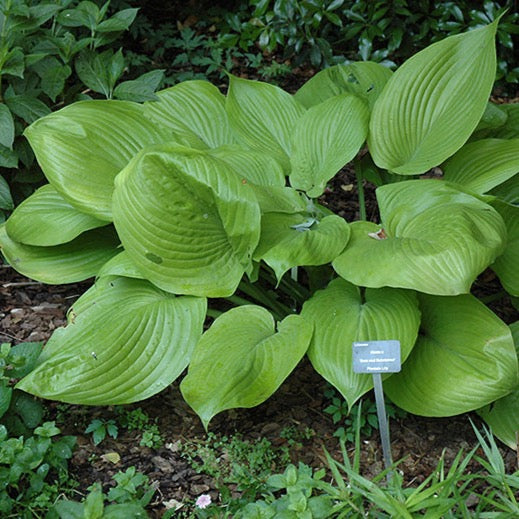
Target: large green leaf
[
  {"x": 433, "y": 102},
  {"x": 434, "y": 239},
  {"x": 131, "y": 342},
  {"x": 365, "y": 79},
  {"x": 74, "y": 261},
  {"x": 343, "y": 314},
  {"x": 463, "y": 359},
  {"x": 241, "y": 360},
  {"x": 292, "y": 240},
  {"x": 186, "y": 220},
  {"x": 503, "y": 415},
  {"x": 506, "y": 266},
  {"x": 194, "y": 111},
  {"x": 483, "y": 165},
  {"x": 120, "y": 265},
  {"x": 6, "y": 200},
  {"x": 263, "y": 116},
  {"x": 509, "y": 130},
  {"x": 46, "y": 218},
  {"x": 83, "y": 146},
  {"x": 326, "y": 138}
]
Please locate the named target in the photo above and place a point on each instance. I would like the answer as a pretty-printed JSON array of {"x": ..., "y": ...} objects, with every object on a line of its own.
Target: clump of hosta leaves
[{"x": 201, "y": 204}]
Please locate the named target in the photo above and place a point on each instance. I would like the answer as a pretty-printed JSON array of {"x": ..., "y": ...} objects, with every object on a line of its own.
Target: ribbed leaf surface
[
  {"x": 252, "y": 166},
  {"x": 463, "y": 359},
  {"x": 365, "y": 79},
  {"x": 433, "y": 102},
  {"x": 193, "y": 111},
  {"x": 83, "y": 146},
  {"x": 506, "y": 265},
  {"x": 292, "y": 240},
  {"x": 241, "y": 360},
  {"x": 120, "y": 265},
  {"x": 46, "y": 218},
  {"x": 482, "y": 165},
  {"x": 503, "y": 415},
  {"x": 326, "y": 138},
  {"x": 435, "y": 239},
  {"x": 263, "y": 116},
  {"x": 132, "y": 343},
  {"x": 187, "y": 221},
  {"x": 510, "y": 130},
  {"x": 508, "y": 191},
  {"x": 74, "y": 261},
  {"x": 341, "y": 316}
]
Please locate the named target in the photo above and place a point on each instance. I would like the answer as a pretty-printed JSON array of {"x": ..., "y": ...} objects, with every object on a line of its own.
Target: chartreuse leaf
[
  {"x": 263, "y": 116},
  {"x": 434, "y": 239},
  {"x": 70, "y": 262},
  {"x": 342, "y": 314},
  {"x": 195, "y": 112},
  {"x": 120, "y": 265},
  {"x": 507, "y": 264},
  {"x": 186, "y": 220},
  {"x": 508, "y": 191},
  {"x": 46, "y": 218},
  {"x": 241, "y": 360},
  {"x": 365, "y": 79},
  {"x": 146, "y": 346},
  {"x": 510, "y": 129},
  {"x": 503, "y": 415},
  {"x": 326, "y": 138},
  {"x": 433, "y": 102},
  {"x": 252, "y": 166},
  {"x": 82, "y": 147},
  {"x": 484, "y": 164},
  {"x": 464, "y": 358},
  {"x": 291, "y": 240}
]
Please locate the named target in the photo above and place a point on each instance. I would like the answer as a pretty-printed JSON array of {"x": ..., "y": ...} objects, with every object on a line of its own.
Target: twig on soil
[{"x": 21, "y": 284}]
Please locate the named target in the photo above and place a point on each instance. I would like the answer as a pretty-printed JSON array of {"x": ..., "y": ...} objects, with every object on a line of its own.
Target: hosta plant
[{"x": 203, "y": 209}]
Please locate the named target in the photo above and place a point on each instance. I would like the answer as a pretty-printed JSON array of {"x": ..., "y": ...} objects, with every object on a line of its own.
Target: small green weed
[
  {"x": 34, "y": 471},
  {"x": 100, "y": 428},
  {"x": 232, "y": 461},
  {"x": 137, "y": 419},
  {"x": 128, "y": 498},
  {"x": 338, "y": 409}
]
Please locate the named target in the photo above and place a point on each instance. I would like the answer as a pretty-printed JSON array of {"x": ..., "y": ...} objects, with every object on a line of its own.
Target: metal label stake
[{"x": 376, "y": 358}]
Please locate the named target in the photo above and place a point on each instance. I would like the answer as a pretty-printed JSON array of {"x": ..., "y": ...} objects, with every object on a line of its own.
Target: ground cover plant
[
  {"x": 182, "y": 209},
  {"x": 52, "y": 54}
]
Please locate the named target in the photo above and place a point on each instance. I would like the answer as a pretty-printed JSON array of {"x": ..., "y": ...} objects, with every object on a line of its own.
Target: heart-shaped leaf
[
  {"x": 71, "y": 262},
  {"x": 503, "y": 415},
  {"x": 433, "y": 102},
  {"x": 434, "y": 239},
  {"x": 193, "y": 111},
  {"x": 343, "y": 314},
  {"x": 326, "y": 138},
  {"x": 365, "y": 79},
  {"x": 82, "y": 147},
  {"x": 464, "y": 358},
  {"x": 46, "y": 218},
  {"x": 241, "y": 360},
  {"x": 507, "y": 264},
  {"x": 292, "y": 240},
  {"x": 147, "y": 344},
  {"x": 186, "y": 220},
  {"x": 483, "y": 165},
  {"x": 263, "y": 116}
]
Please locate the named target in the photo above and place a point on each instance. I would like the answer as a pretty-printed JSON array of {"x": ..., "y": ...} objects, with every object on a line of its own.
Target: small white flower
[{"x": 203, "y": 501}]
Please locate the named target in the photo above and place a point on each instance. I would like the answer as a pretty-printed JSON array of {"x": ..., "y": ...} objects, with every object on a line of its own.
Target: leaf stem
[{"x": 360, "y": 189}]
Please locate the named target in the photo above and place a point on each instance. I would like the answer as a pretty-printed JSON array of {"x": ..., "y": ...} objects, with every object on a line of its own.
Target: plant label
[{"x": 376, "y": 357}]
